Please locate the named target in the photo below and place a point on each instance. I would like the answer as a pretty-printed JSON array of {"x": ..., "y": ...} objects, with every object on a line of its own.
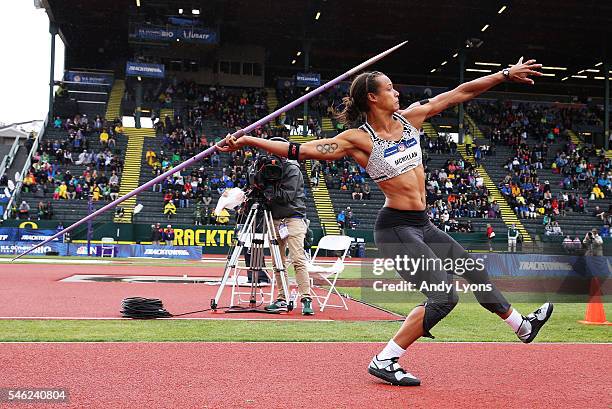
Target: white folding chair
[
  {"x": 329, "y": 272},
  {"x": 108, "y": 244}
]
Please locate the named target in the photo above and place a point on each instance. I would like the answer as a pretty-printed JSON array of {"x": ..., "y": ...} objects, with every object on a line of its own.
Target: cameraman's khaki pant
[{"x": 295, "y": 242}]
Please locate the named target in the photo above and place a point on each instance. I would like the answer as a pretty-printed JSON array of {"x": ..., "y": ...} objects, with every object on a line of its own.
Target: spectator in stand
[
  {"x": 467, "y": 140},
  {"x": 29, "y": 181},
  {"x": 119, "y": 130},
  {"x": 169, "y": 209},
  {"x": 24, "y": 210},
  {"x": 104, "y": 137},
  {"x": 366, "y": 191},
  {"x": 349, "y": 218},
  {"x": 314, "y": 179},
  {"x": 206, "y": 195},
  {"x": 490, "y": 236},
  {"x": 151, "y": 157},
  {"x": 155, "y": 234},
  {"x": 513, "y": 235},
  {"x": 111, "y": 143},
  {"x": 61, "y": 92},
  {"x": 63, "y": 191},
  {"x": 597, "y": 193},
  {"x": 466, "y": 227},
  {"x": 207, "y": 216},
  {"x": 83, "y": 158},
  {"x": 223, "y": 217},
  {"x": 568, "y": 245},
  {"x": 357, "y": 193},
  {"x": 42, "y": 210},
  {"x": 96, "y": 192},
  {"x": 577, "y": 244},
  {"x": 114, "y": 191},
  {"x": 603, "y": 215},
  {"x": 197, "y": 214},
  {"x": 168, "y": 235},
  {"x": 341, "y": 219}
]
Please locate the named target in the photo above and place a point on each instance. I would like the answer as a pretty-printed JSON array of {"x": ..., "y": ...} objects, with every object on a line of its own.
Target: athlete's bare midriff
[
  {"x": 406, "y": 191},
  {"x": 403, "y": 192}
]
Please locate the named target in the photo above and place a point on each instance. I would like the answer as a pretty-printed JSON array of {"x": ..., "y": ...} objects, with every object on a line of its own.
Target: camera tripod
[{"x": 257, "y": 231}]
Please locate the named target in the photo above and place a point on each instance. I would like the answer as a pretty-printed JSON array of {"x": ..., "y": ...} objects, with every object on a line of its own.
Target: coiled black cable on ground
[
  {"x": 143, "y": 308},
  {"x": 149, "y": 308}
]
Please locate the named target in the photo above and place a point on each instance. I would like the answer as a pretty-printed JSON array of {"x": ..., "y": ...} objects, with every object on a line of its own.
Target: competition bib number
[
  {"x": 283, "y": 231},
  {"x": 401, "y": 155}
]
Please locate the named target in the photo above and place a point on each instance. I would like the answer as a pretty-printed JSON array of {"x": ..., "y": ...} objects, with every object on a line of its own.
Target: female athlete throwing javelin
[{"x": 387, "y": 145}]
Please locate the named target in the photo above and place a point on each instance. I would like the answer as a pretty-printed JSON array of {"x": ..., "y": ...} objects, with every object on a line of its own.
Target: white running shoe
[
  {"x": 536, "y": 319},
  {"x": 389, "y": 371}
]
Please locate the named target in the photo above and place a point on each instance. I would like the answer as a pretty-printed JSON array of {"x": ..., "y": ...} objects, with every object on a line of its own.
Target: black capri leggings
[{"x": 410, "y": 233}]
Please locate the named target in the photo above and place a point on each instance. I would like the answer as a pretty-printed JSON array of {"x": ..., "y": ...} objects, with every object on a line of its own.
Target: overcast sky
[{"x": 24, "y": 70}]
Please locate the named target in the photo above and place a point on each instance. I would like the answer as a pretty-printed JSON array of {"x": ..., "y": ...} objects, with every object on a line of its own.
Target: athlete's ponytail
[{"x": 356, "y": 104}]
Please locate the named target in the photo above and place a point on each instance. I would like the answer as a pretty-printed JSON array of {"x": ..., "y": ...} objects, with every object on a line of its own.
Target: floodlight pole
[
  {"x": 306, "y": 68},
  {"x": 138, "y": 97},
  {"x": 461, "y": 79},
  {"x": 53, "y": 31},
  {"x": 606, "y": 69},
  {"x": 89, "y": 224}
]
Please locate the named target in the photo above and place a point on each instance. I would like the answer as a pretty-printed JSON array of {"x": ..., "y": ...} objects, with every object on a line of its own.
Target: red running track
[
  {"x": 35, "y": 291},
  {"x": 311, "y": 375}
]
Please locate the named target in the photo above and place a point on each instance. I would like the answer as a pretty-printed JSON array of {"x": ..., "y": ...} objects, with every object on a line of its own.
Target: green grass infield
[{"x": 468, "y": 322}]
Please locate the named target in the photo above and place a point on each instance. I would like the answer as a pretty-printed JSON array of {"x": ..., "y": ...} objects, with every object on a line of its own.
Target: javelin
[{"x": 212, "y": 149}]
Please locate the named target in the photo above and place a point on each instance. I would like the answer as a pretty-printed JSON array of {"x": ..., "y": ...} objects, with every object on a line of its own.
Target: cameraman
[{"x": 289, "y": 213}]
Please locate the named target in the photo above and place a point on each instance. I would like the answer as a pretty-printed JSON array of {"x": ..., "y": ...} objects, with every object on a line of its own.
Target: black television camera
[{"x": 264, "y": 176}]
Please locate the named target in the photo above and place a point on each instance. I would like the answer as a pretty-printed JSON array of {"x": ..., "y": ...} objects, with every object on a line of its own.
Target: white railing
[
  {"x": 24, "y": 171},
  {"x": 8, "y": 159}
]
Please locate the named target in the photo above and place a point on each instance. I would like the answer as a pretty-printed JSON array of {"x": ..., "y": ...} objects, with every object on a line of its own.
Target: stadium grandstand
[{"x": 537, "y": 159}]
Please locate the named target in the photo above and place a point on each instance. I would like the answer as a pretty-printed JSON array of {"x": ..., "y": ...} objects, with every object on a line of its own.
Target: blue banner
[
  {"x": 35, "y": 235},
  {"x": 18, "y": 247},
  {"x": 76, "y": 249},
  {"x": 173, "y": 33},
  {"x": 308, "y": 79},
  {"x": 542, "y": 265},
  {"x": 183, "y": 252},
  {"x": 144, "y": 70},
  {"x": 136, "y": 250},
  {"x": 17, "y": 234},
  {"x": 183, "y": 21},
  {"x": 8, "y": 234},
  {"x": 98, "y": 250},
  {"x": 89, "y": 77}
]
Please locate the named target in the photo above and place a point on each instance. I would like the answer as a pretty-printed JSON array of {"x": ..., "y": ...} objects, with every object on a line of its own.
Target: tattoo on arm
[{"x": 327, "y": 147}]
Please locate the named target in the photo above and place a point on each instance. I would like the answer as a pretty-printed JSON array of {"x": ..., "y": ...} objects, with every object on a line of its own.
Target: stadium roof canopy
[{"x": 571, "y": 34}]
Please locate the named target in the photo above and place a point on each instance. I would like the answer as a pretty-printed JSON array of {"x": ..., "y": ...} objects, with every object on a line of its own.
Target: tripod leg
[{"x": 233, "y": 259}]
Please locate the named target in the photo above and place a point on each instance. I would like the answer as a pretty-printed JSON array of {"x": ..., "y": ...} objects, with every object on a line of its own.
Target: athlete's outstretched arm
[
  {"x": 419, "y": 111},
  {"x": 321, "y": 149}
]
